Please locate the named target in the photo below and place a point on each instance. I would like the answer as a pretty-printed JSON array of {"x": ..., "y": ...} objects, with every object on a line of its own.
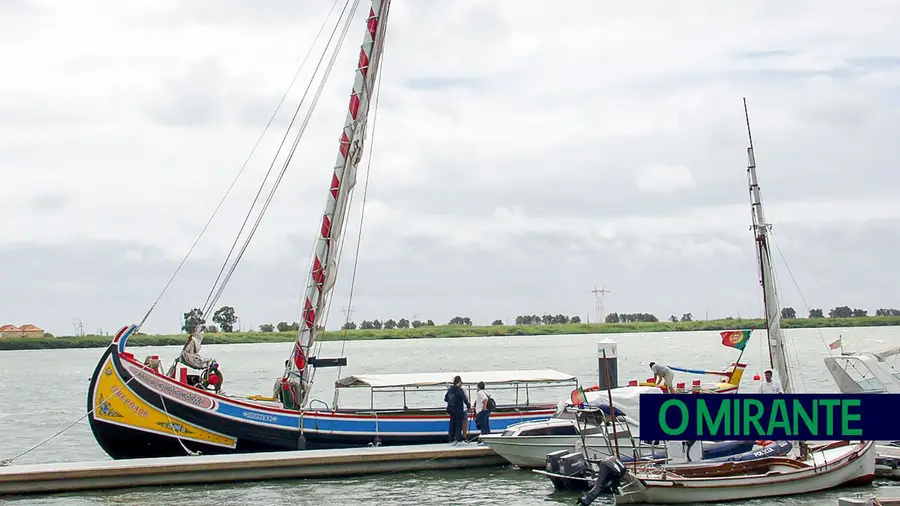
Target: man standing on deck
[
  {"x": 482, "y": 413},
  {"x": 458, "y": 409},
  {"x": 662, "y": 373},
  {"x": 770, "y": 386}
]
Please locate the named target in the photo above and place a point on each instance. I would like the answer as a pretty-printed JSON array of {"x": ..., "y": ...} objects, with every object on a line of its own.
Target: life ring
[
  {"x": 212, "y": 377},
  {"x": 595, "y": 388}
]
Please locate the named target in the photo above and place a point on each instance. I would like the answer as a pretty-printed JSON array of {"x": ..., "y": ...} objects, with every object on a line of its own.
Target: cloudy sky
[{"x": 521, "y": 156}]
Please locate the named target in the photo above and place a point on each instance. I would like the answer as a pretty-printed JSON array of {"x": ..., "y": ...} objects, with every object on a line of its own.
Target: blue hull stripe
[{"x": 366, "y": 424}]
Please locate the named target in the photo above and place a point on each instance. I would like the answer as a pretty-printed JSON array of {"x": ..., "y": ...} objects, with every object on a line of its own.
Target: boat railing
[
  {"x": 614, "y": 430},
  {"x": 522, "y": 391}
]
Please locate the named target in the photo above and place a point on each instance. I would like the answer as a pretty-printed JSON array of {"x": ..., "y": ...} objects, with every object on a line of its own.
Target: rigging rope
[
  {"x": 237, "y": 176},
  {"x": 799, "y": 292},
  {"x": 787, "y": 343},
  {"x": 175, "y": 431},
  {"x": 6, "y": 462},
  {"x": 299, "y": 135}
]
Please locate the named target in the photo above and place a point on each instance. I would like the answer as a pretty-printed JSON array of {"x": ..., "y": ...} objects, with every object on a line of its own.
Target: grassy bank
[{"x": 446, "y": 331}]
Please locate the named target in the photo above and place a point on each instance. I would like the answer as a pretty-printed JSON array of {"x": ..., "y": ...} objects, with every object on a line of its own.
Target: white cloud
[
  {"x": 613, "y": 127},
  {"x": 662, "y": 178}
]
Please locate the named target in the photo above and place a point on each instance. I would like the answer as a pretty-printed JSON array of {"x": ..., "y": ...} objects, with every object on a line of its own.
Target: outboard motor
[{"x": 609, "y": 479}]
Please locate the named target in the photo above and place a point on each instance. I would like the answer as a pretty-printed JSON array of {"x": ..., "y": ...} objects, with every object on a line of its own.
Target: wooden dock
[{"x": 111, "y": 474}]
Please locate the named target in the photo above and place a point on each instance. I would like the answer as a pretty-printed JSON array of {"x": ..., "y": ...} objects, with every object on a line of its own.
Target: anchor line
[
  {"x": 174, "y": 431},
  {"x": 6, "y": 462},
  {"x": 220, "y": 282}
]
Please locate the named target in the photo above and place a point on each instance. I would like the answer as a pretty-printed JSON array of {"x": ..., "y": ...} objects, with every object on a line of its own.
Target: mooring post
[{"x": 607, "y": 364}]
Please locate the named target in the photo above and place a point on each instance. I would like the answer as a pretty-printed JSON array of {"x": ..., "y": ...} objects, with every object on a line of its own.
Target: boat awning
[
  {"x": 881, "y": 353},
  {"x": 886, "y": 352},
  {"x": 446, "y": 378}
]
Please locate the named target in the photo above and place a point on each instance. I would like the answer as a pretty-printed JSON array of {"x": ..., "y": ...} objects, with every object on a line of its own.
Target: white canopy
[{"x": 446, "y": 378}]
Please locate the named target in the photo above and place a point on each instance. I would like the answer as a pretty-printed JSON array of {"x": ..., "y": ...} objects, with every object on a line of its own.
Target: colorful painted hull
[{"x": 147, "y": 414}]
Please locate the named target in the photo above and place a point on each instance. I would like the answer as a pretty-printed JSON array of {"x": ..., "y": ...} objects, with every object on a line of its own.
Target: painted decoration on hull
[
  {"x": 123, "y": 407},
  {"x": 328, "y": 423}
]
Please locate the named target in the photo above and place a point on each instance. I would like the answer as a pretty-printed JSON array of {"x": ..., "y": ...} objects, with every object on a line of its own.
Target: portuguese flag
[
  {"x": 578, "y": 397},
  {"x": 735, "y": 338}
]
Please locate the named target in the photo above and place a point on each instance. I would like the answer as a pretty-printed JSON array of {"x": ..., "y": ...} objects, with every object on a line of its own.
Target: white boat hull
[
  {"x": 833, "y": 468},
  {"x": 530, "y": 452}
]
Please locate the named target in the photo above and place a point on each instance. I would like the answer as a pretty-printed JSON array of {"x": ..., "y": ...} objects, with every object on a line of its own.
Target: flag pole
[{"x": 740, "y": 355}]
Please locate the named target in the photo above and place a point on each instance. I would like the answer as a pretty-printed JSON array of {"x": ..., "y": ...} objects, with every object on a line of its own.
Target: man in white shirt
[
  {"x": 663, "y": 374},
  {"x": 770, "y": 386},
  {"x": 482, "y": 414}
]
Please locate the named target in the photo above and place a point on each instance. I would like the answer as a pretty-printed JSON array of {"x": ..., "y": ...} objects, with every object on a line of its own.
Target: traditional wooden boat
[
  {"x": 829, "y": 466},
  {"x": 137, "y": 411}
]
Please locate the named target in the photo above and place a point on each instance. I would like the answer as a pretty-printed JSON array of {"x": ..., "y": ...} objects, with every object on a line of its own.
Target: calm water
[{"x": 43, "y": 391}]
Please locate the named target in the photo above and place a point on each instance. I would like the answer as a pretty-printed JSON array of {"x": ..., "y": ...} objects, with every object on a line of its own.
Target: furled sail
[{"x": 323, "y": 272}]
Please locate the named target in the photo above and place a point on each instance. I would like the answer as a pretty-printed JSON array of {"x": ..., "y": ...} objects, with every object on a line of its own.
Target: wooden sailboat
[
  {"x": 137, "y": 411},
  {"x": 815, "y": 468}
]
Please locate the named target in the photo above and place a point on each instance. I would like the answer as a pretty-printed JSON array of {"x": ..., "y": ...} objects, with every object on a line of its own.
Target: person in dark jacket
[{"x": 458, "y": 407}]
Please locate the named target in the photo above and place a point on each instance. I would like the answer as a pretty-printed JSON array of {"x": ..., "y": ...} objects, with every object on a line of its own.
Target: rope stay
[
  {"x": 216, "y": 292},
  {"x": 8, "y": 461},
  {"x": 237, "y": 176}
]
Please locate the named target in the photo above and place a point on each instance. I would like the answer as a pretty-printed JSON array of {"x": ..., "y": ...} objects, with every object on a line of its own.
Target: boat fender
[{"x": 301, "y": 442}]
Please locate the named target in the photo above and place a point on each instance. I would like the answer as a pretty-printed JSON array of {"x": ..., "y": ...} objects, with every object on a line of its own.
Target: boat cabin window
[
  {"x": 858, "y": 371},
  {"x": 552, "y": 430}
]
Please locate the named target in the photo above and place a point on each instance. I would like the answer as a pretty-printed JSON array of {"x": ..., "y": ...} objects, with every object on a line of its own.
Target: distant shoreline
[{"x": 447, "y": 331}]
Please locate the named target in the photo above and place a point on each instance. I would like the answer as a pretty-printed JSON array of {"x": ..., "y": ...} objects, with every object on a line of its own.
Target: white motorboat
[
  {"x": 866, "y": 371},
  {"x": 870, "y": 371},
  {"x": 527, "y": 444}
]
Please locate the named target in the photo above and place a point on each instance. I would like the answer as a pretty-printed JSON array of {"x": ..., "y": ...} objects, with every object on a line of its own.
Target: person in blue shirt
[{"x": 458, "y": 407}]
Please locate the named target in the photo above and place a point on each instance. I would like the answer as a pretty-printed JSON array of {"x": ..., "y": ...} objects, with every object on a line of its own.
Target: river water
[{"x": 43, "y": 391}]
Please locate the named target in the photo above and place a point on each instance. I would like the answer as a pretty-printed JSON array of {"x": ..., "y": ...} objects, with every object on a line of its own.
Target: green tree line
[{"x": 224, "y": 318}]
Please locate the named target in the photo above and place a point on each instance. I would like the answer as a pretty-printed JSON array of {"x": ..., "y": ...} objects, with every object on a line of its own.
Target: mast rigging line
[
  {"x": 207, "y": 305},
  {"x": 797, "y": 286},
  {"x": 300, "y": 131},
  {"x": 239, "y": 173}
]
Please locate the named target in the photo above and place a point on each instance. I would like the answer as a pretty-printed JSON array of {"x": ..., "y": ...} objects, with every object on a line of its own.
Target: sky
[{"x": 520, "y": 157}]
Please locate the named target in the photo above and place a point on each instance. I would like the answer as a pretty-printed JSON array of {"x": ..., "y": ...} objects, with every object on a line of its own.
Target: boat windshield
[{"x": 854, "y": 375}]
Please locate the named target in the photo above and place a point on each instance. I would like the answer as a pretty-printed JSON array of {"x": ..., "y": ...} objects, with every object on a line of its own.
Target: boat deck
[{"x": 75, "y": 476}]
